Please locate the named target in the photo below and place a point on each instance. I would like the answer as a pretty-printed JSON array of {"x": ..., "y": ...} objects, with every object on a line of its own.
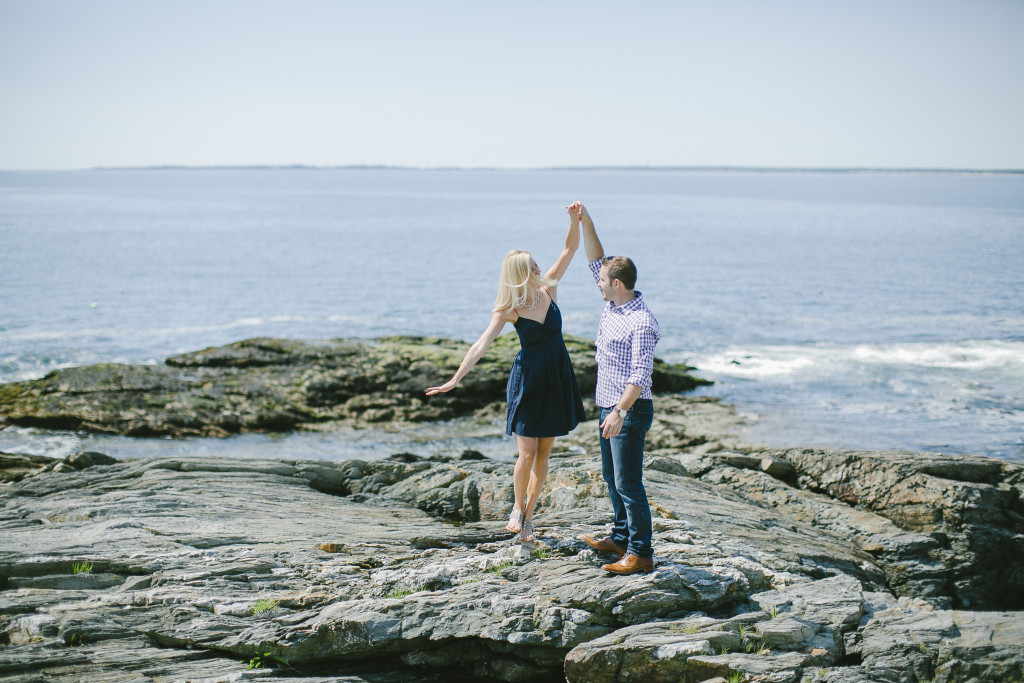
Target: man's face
[{"x": 605, "y": 284}]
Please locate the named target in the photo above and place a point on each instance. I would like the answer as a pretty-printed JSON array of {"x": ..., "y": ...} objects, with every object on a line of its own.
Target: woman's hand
[
  {"x": 444, "y": 388},
  {"x": 575, "y": 211}
]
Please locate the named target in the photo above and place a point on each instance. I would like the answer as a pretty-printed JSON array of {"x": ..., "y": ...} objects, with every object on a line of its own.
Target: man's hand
[
  {"x": 575, "y": 211},
  {"x": 611, "y": 426}
]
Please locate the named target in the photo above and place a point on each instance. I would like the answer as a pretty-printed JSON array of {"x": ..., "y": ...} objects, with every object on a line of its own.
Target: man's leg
[
  {"x": 627, "y": 455},
  {"x": 620, "y": 527}
]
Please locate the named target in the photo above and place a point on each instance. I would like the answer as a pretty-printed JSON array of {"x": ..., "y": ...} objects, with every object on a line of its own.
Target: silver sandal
[
  {"x": 515, "y": 519},
  {"x": 526, "y": 531}
]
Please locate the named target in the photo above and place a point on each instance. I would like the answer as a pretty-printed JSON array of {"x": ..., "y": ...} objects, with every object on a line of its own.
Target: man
[{"x": 626, "y": 339}]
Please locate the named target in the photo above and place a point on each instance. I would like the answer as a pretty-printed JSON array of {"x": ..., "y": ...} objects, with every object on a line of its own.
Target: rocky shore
[
  {"x": 781, "y": 565},
  {"x": 280, "y": 384}
]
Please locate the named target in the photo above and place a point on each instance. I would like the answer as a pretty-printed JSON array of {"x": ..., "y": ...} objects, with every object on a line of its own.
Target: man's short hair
[{"x": 620, "y": 268}]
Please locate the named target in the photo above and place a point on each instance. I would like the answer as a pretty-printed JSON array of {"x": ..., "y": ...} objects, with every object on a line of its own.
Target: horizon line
[{"x": 698, "y": 168}]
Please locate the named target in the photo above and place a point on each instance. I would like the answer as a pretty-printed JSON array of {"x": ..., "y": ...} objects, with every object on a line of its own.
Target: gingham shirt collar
[{"x": 635, "y": 304}]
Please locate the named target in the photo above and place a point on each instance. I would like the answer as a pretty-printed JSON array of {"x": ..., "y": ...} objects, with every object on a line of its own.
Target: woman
[{"x": 543, "y": 397}]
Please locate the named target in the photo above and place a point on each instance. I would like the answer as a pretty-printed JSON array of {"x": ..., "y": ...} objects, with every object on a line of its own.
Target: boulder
[{"x": 281, "y": 385}]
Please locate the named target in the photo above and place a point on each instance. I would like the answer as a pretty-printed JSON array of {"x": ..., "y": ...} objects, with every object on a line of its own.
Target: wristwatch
[{"x": 622, "y": 412}]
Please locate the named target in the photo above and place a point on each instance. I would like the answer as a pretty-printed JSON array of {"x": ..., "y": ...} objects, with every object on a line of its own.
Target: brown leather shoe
[
  {"x": 605, "y": 545},
  {"x": 630, "y": 564}
]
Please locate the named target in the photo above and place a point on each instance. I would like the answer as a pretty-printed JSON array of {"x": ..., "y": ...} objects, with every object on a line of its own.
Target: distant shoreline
[{"x": 594, "y": 169}]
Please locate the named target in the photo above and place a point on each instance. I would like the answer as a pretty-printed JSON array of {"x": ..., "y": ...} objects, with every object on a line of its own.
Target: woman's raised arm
[{"x": 572, "y": 243}]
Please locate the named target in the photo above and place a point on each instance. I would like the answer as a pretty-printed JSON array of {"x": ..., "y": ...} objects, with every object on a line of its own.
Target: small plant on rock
[
  {"x": 263, "y": 605},
  {"x": 75, "y": 639},
  {"x": 398, "y": 595},
  {"x": 266, "y": 660},
  {"x": 735, "y": 677},
  {"x": 774, "y": 611},
  {"x": 81, "y": 567},
  {"x": 498, "y": 568}
]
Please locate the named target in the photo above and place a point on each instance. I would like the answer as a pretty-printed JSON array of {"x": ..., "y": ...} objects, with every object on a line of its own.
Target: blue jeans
[{"x": 622, "y": 463}]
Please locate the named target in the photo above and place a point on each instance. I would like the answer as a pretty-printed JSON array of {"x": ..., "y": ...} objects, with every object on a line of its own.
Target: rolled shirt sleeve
[{"x": 645, "y": 338}]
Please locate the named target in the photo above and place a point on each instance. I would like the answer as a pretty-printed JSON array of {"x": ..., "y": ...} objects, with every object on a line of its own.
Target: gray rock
[
  {"x": 67, "y": 581},
  {"x": 967, "y": 504},
  {"x": 837, "y": 601},
  {"x": 390, "y": 568},
  {"x": 945, "y": 645},
  {"x": 17, "y": 466}
]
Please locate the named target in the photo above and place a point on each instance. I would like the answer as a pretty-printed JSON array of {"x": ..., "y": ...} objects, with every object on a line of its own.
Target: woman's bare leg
[
  {"x": 538, "y": 474},
  {"x": 521, "y": 475}
]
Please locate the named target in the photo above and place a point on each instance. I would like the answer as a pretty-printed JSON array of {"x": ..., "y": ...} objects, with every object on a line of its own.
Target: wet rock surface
[
  {"x": 771, "y": 565},
  {"x": 280, "y": 385}
]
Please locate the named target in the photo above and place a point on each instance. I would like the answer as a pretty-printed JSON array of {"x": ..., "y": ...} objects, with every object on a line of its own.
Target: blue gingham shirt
[{"x": 626, "y": 339}]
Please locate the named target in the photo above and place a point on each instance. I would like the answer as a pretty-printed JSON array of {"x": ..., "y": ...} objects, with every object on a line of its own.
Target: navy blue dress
[{"x": 543, "y": 396}]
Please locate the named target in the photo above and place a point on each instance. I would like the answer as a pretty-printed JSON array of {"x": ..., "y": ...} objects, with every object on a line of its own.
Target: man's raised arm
[{"x": 591, "y": 243}]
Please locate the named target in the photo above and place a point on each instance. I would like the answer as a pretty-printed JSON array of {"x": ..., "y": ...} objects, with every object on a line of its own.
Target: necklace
[{"x": 536, "y": 300}]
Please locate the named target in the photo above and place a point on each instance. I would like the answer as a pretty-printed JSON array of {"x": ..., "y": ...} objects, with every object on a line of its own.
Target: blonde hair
[{"x": 517, "y": 281}]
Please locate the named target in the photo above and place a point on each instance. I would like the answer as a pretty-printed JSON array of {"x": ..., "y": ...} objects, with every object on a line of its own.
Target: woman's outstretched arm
[
  {"x": 572, "y": 243},
  {"x": 475, "y": 353}
]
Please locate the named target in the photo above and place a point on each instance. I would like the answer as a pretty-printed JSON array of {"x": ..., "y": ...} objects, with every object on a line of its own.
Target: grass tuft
[
  {"x": 263, "y": 605},
  {"x": 266, "y": 660}
]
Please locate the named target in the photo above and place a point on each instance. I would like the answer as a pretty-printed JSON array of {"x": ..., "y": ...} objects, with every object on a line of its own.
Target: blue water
[{"x": 859, "y": 310}]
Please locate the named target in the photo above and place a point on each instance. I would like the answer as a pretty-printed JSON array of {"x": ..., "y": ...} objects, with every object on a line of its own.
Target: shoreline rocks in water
[
  {"x": 782, "y": 565},
  {"x": 281, "y": 385}
]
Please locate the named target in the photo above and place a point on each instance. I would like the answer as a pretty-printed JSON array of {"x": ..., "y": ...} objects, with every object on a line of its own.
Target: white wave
[
  {"x": 39, "y": 442},
  {"x": 968, "y": 355},
  {"x": 767, "y": 362},
  {"x": 756, "y": 364}
]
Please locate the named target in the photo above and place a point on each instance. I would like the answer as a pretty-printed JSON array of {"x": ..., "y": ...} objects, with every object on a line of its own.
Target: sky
[{"x": 791, "y": 84}]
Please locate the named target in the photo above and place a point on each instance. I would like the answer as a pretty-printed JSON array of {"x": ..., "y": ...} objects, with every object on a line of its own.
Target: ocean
[{"x": 864, "y": 310}]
